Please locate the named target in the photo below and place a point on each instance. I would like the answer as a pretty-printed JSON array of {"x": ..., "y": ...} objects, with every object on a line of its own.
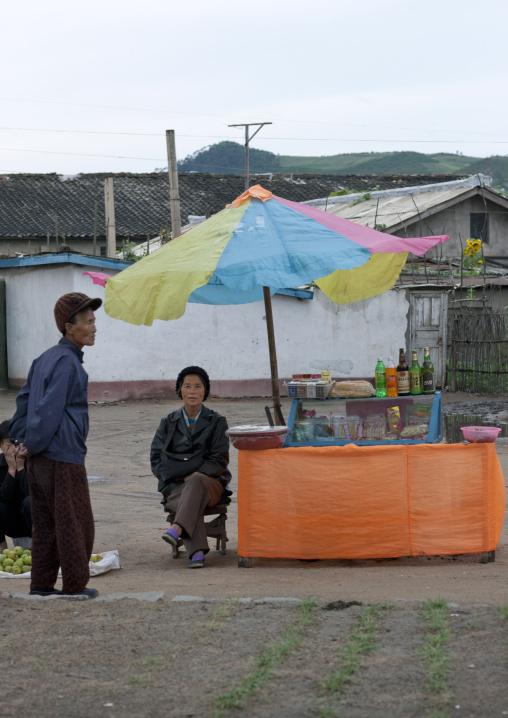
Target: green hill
[{"x": 229, "y": 158}]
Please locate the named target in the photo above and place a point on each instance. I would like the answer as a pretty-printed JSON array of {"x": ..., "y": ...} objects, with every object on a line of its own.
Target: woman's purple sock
[
  {"x": 198, "y": 556},
  {"x": 173, "y": 533}
]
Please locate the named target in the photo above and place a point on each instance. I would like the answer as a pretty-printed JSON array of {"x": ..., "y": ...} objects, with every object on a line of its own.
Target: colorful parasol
[{"x": 254, "y": 247}]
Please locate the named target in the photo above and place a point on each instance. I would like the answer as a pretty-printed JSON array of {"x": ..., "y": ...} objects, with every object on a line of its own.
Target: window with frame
[{"x": 479, "y": 226}]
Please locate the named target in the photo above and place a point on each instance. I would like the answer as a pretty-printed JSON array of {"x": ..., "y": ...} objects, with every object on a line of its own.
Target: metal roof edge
[
  {"x": 65, "y": 258},
  {"x": 476, "y": 180}
]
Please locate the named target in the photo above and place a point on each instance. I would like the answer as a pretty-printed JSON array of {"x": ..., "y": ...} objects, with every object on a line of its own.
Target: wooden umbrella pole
[{"x": 273, "y": 354}]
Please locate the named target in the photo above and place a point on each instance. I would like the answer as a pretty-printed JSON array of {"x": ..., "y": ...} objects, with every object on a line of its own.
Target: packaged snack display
[
  {"x": 310, "y": 386},
  {"x": 365, "y": 420},
  {"x": 347, "y": 427}
]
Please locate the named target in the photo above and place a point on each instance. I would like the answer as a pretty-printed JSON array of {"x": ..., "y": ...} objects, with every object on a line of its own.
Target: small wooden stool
[{"x": 216, "y": 528}]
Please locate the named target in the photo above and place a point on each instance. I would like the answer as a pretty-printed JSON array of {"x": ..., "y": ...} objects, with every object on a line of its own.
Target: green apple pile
[
  {"x": 17, "y": 561},
  {"x": 96, "y": 557}
]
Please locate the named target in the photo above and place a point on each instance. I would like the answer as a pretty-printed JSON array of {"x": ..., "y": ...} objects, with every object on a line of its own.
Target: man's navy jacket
[{"x": 51, "y": 418}]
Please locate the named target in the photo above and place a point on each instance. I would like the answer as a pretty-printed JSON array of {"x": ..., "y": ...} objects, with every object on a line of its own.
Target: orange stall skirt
[{"x": 369, "y": 502}]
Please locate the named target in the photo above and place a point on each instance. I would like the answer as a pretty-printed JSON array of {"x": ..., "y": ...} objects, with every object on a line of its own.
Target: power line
[
  {"x": 387, "y": 139},
  {"x": 203, "y": 114},
  {"x": 107, "y": 132},
  {"x": 285, "y": 139},
  {"x": 81, "y": 154}
]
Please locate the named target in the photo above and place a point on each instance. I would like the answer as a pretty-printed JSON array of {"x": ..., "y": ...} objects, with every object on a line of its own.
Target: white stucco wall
[{"x": 229, "y": 341}]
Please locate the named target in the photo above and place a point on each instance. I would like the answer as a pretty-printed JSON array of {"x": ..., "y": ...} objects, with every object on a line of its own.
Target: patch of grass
[
  {"x": 221, "y": 613},
  {"x": 153, "y": 660},
  {"x": 361, "y": 641},
  {"x": 434, "y": 653},
  {"x": 436, "y": 713},
  {"x": 139, "y": 680},
  {"x": 268, "y": 660},
  {"x": 504, "y": 612},
  {"x": 41, "y": 665}
]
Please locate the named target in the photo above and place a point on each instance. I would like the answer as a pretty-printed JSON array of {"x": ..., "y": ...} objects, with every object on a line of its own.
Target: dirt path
[
  {"x": 130, "y": 653},
  {"x": 181, "y": 659}
]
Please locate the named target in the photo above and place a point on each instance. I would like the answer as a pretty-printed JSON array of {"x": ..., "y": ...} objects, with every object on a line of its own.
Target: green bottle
[
  {"x": 415, "y": 376},
  {"x": 428, "y": 384},
  {"x": 380, "y": 377}
]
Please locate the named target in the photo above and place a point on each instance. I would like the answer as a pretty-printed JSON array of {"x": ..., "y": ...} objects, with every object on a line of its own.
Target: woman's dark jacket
[
  {"x": 176, "y": 452},
  {"x": 13, "y": 489}
]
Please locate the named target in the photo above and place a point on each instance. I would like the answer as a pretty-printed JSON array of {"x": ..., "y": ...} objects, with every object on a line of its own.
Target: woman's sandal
[
  {"x": 197, "y": 560},
  {"x": 171, "y": 536}
]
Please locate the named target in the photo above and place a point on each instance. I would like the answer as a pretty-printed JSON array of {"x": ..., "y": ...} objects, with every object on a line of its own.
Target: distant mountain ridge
[{"x": 229, "y": 158}]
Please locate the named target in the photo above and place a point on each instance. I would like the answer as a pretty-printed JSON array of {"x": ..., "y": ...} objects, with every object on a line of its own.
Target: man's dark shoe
[
  {"x": 45, "y": 592},
  {"x": 85, "y": 593}
]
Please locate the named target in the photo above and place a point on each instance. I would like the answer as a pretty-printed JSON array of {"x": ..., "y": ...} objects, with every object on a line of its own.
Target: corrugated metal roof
[{"x": 393, "y": 211}]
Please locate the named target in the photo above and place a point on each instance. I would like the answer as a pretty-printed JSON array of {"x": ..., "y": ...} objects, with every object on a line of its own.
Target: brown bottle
[{"x": 402, "y": 375}]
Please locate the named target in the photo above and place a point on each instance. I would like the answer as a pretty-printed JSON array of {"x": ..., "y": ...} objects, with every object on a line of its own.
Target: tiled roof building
[{"x": 33, "y": 205}]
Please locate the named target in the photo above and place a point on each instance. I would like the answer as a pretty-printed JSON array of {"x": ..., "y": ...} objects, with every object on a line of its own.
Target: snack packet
[
  {"x": 419, "y": 414},
  {"x": 415, "y": 431},
  {"x": 394, "y": 421},
  {"x": 374, "y": 427}
]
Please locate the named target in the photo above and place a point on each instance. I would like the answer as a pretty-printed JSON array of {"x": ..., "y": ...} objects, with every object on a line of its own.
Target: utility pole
[
  {"x": 109, "y": 204},
  {"x": 259, "y": 125},
  {"x": 266, "y": 291},
  {"x": 174, "y": 196},
  {"x": 96, "y": 207}
]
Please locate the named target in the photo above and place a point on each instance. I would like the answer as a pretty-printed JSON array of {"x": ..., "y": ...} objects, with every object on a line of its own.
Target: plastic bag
[
  {"x": 110, "y": 560},
  {"x": 353, "y": 389}
]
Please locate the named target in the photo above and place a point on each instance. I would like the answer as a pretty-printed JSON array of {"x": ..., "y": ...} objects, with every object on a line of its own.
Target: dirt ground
[{"x": 60, "y": 657}]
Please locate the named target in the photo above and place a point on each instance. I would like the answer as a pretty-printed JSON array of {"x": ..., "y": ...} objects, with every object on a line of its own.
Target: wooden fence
[{"x": 478, "y": 360}]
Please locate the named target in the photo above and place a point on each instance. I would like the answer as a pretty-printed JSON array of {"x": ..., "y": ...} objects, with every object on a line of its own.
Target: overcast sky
[{"x": 332, "y": 76}]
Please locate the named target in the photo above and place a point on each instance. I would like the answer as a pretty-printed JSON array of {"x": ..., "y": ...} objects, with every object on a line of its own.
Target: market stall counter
[{"x": 381, "y": 499}]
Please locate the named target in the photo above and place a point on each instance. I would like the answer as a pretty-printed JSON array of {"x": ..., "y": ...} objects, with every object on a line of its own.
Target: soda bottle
[
  {"x": 391, "y": 378},
  {"x": 380, "y": 377},
  {"x": 402, "y": 375},
  {"x": 428, "y": 384},
  {"x": 415, "y": 375}
]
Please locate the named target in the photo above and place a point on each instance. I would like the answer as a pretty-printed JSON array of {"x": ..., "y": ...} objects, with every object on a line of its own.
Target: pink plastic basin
[
  {"x": 256, "y": 438},
  {"x": 480, "y": 434}
]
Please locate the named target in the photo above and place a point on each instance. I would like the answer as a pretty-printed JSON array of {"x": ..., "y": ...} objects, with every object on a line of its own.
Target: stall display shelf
[{"x": 414, "y": 419}]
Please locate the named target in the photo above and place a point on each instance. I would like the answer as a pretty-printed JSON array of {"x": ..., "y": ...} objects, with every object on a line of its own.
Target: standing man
[{"x": 50, "y": 428}]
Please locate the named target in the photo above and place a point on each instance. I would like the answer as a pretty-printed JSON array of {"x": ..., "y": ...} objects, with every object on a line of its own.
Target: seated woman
[
  {"x": 15, "y": 515},
  {"x": 190, "y": 456}
]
